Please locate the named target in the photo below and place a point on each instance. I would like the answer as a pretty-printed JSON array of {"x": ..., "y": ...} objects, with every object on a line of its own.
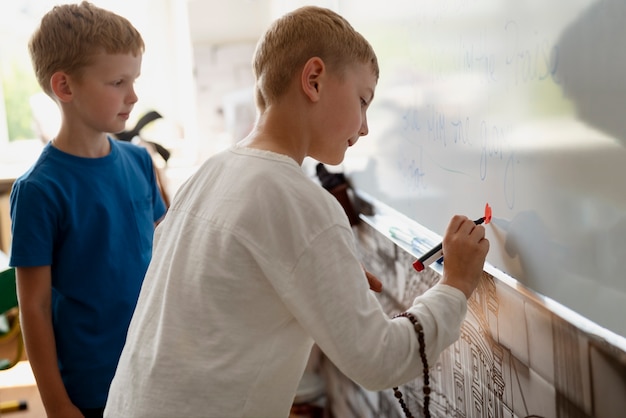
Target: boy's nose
[
  {"x": 132, "y": 97},
  {"x": 364, "y": 129}
]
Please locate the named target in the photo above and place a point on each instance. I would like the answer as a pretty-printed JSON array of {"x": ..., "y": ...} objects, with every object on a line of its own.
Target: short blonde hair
[
  {"x": 70, "y": 35},
  {"x": 298, "y": 36}
]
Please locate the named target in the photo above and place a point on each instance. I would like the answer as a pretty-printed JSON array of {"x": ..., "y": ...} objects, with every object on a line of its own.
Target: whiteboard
[{"x": 519, "y": 104}]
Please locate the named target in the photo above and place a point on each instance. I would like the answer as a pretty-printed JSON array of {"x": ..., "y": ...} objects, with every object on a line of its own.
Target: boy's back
[{"x": 241, "y": 235}]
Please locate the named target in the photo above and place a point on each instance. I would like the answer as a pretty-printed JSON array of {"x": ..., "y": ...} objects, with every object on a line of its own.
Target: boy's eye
[{"x": 363, "y": 102}]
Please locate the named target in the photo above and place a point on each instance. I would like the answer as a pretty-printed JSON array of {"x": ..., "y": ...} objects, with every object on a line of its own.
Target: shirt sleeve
[
  {"x": 33, "y": 218},
  {"x": 331, "y": 299},
  {"x": 158, "y": 204},
  {"x": 441, "y": 311}
]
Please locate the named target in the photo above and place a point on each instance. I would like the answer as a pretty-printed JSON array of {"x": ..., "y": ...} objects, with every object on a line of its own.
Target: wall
[
  {"x": 516, "y": 357},
  {"x": 225, "y": 99}
]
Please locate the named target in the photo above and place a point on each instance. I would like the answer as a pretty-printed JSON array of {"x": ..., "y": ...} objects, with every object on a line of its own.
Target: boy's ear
[
  {"x": 312, "y": 74},
  {"x": 60, "y": 84}
]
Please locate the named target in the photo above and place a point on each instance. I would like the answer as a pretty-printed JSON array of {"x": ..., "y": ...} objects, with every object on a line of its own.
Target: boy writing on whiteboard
[
  {"x": 255, "y": 262},
  {"x": 83, "y": 216}
]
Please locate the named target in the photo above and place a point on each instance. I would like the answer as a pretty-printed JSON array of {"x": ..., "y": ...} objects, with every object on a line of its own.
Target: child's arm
[{"x": 34, "y": 292}]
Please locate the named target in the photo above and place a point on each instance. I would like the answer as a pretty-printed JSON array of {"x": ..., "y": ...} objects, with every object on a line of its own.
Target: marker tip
[{"x": 487, "y": 213}]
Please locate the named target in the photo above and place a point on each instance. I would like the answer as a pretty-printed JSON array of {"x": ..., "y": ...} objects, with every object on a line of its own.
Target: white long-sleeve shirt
[{"x": 252, "y": 264}]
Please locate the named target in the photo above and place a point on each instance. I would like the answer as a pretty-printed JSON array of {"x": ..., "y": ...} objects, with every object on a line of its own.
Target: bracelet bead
[{"x": 419, "y": 330}]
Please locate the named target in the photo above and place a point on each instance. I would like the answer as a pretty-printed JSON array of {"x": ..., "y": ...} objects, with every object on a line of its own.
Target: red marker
[{"x": 437, "y": 252}]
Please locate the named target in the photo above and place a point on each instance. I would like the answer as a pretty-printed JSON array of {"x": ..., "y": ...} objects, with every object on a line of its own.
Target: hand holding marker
[{"x": 437, "y": 252}]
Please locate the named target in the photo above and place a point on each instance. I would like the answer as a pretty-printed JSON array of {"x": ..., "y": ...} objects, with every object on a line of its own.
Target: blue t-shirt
[{"x": 92, "y": 221}]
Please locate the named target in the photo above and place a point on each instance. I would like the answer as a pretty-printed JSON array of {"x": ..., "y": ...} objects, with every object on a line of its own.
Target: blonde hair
[
  {"x": 70, "y": 35},
  {"x": 298, "y": 36}
]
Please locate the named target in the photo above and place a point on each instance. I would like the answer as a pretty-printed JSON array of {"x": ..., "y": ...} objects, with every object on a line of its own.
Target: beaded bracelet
[{"x": 426, "y": 388}]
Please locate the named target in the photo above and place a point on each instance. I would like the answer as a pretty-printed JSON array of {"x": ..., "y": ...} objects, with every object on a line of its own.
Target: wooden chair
[{"x": 13, "y": 336}]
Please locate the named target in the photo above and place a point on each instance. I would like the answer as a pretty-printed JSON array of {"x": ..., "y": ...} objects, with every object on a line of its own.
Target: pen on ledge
[
  {"x": 12, "y": 406},
  {"x": 437, "y": 252},
  {"x": 416, "y": 244}
]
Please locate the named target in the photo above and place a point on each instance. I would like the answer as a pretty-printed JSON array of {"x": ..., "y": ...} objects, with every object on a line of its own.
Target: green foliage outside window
[{"x": 18, "y": 85}]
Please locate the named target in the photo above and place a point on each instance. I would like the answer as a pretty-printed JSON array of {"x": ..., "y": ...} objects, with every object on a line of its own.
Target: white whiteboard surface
[{"x": 521, "y": 105}]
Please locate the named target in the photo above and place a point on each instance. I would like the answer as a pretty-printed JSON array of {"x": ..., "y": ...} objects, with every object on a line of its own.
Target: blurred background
[{"x": 196, "y": 74}]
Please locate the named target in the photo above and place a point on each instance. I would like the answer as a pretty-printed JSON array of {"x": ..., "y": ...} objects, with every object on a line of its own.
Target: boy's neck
[
  {"x": 279, "y": 130},
  {"x": 95, "y": 147}
]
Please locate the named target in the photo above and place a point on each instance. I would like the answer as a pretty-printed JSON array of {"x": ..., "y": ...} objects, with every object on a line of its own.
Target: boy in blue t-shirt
[{"x": 83, "y": 216}]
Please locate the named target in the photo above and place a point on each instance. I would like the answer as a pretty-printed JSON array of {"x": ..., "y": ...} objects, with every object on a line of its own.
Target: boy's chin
[{"x": 331, "y": 159}]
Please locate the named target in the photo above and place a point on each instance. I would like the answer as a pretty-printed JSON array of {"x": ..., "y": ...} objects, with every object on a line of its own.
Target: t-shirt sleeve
[
  {"x": 158, "y": 204},
  {"x": 32, "y": 226}
]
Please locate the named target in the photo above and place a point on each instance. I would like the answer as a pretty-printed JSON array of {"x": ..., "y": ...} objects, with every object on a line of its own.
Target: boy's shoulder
[
  {"x": 135, "y": 159},
  {"x": 127, "y": 146},
  {"x": 41, "y": 168},
  {"x": 130, "y": 149}
]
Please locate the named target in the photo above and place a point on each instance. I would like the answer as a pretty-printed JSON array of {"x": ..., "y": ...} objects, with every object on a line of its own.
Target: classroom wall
[
  {"x": 227, "y": 107},
  {"x": 515, "y": 356}
]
